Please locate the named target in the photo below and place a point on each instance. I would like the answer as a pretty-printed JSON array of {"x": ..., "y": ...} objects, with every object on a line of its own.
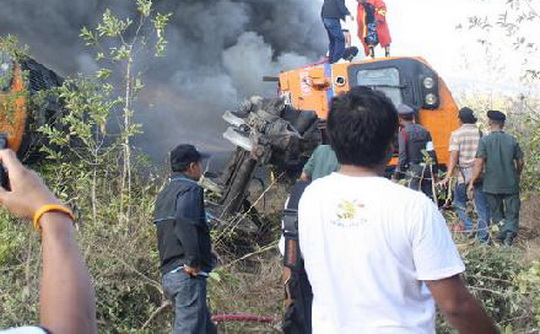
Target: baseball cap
[
  {"x": 183, "y": 155},
  {"x": 404, "y": 109}
]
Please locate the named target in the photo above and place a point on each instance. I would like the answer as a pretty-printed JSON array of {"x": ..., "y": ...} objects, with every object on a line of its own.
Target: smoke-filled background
[{"x": 218, "y": 52}]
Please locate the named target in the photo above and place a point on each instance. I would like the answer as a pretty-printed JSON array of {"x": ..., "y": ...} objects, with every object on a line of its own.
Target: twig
[
  {"x": 260, "y": 251},
  {"x": 166, "y": 304},
  {"x": 489, "y": 278},
  {"x": 143, "y": 276},
  {"x": 487, "y": 290}
]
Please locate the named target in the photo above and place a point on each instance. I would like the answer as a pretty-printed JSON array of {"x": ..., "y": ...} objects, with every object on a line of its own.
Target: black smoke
[{"x": 218, "y": 52}]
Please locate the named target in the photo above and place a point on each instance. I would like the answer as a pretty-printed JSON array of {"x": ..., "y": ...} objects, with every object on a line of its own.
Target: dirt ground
[{"x": 529, "y": 234}]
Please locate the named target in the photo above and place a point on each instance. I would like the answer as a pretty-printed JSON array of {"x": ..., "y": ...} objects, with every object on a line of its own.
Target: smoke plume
[{"x": 218, "y": 52}]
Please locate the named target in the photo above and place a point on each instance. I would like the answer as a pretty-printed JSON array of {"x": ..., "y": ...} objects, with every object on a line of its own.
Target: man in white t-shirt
[{"x": 378, "y": 255}]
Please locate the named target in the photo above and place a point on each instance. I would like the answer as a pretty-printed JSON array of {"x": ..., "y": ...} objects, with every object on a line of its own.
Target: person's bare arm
[
  {"x": 460, "y": 308},
  {"x": 452, "y": 162},
  {"x": 520, "y": 163},
  {"x": 305, "y": 177},
  {"x": 67, "y": 303},
  {"x": 477, "y": 171}
]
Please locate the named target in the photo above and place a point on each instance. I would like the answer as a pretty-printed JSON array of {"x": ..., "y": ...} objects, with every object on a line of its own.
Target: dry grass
[{"x": 250, "y": 287}]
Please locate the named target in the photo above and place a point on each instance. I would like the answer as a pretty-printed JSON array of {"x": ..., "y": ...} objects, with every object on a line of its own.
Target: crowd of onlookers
[{"x": 378, "y": 255}]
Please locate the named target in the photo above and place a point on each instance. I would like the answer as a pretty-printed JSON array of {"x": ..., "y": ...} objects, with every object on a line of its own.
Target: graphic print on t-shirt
[{"x": 349, "y": 214}]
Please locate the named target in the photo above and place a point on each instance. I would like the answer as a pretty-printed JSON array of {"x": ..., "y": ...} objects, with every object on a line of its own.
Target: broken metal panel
[{"x": 267, "y": 132}]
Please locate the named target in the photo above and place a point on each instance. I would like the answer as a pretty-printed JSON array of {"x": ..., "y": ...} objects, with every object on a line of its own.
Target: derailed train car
[
  {"x": 306, "y": 93},
  {"x": 405, "y": 80},
  {"x": 21, "y": 78}
]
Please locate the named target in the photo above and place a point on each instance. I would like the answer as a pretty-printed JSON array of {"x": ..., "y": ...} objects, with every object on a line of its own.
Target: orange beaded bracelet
[{"x": 50, "y": 208}]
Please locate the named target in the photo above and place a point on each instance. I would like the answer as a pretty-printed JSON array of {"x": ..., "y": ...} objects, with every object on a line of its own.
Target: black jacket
[
  {"x": 182, "y": 230},
  {"x": 334, "y": 9},
  {"x": 413, "y": 141}
]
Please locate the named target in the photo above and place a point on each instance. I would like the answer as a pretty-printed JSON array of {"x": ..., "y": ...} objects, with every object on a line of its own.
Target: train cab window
[{"x": 383, "y": 79}]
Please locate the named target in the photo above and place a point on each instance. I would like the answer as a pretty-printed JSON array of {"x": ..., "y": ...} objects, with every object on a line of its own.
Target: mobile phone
[{"x": 4, "y": 182}]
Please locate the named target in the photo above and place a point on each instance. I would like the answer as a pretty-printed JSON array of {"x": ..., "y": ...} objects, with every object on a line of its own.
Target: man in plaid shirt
[{"x": 463, "y": 146}]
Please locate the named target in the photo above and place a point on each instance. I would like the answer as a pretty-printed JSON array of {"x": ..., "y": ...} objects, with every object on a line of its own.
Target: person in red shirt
[{"x": 372, "y": 26}]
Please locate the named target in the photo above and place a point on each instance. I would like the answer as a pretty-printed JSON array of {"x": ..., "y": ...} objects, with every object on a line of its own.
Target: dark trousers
[
  {"x": 504, "y": 210},
  {"x": 419, "y": 178},
  {"x": 337, "y": 39},
  {"x": 188, "y": 295},
  {"x": 297, "y": 319}
]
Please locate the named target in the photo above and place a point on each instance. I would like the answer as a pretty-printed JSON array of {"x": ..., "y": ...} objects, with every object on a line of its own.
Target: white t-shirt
[
  {"x": 23, "y": 330},
  {"x": 368, "y": 244}
]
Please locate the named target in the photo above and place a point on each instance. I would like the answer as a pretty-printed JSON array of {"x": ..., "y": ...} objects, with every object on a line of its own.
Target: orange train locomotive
[{"x": 405, "y": 80}]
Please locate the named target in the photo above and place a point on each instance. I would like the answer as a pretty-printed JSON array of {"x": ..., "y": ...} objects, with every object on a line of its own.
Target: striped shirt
[{"x": 465, "y": 141}]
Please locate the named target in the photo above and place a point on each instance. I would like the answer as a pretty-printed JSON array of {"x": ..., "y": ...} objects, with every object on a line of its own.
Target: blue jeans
[
  {"x": 188, "y": 295},
  {"x": 336, "y": 37},
  {"x": 482, "y": 210}
]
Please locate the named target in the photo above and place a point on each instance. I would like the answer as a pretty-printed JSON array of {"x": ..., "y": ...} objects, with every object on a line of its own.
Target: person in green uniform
[
  {"x": 322, "y": 162},
  {"x": 501, "y": 160}
]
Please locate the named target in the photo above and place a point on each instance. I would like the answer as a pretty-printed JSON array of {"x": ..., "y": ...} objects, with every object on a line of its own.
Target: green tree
[
  {"x": 516, "y": 26},
  {"x": 119, "y": 43}
]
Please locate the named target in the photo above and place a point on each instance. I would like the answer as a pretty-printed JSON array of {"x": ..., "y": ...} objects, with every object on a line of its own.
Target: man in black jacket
[
  {"x": 414, "y": 143},
  {"x": 184, "y": 243},
  {"x": 332, "y": 12}
]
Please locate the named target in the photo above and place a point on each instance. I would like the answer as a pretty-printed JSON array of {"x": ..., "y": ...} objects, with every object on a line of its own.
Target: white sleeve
[
  {"x": 435, "y": 254},
  {"x": 281, "y": 243},
  {"x": 24, "y": 330}
]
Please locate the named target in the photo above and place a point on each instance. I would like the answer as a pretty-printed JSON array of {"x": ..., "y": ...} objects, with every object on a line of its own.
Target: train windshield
[{"x": 384, "y": 79}]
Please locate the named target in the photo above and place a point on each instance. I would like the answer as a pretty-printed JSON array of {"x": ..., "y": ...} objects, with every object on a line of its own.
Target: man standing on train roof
[
  {"x": 500, "y": 159},
  {"x": 414, "y": 142},
  {"x": 331, "y": 13}
]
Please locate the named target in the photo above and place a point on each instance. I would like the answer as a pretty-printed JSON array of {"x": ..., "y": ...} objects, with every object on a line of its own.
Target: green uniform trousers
[{"x": 504, "y": 210}]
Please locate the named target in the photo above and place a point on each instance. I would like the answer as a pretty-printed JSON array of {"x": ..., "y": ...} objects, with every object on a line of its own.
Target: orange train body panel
[
  {"x": 13, "y": 112},
  {"x": 312, "y": 87}
]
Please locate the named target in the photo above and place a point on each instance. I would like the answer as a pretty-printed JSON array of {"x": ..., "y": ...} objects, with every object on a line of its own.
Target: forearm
[
  {"x": 435, "y": 162},
  {"x": 519, "y": 167},
  {"x": 67, "y": 303},
  {"x": 470, "y": 318},
  {"x": 343, "y": 8},
  {"x": 451, "y": 165},
  {"x": 478, "y": 166}
]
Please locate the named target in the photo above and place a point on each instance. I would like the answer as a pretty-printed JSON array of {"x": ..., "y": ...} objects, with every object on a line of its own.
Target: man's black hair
[
  {"x": 362, "y": 125},
  {"x": 183, "y": 155},
  {"x": 179, "y": 168},
  {"x": 466, "y": 115}
]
